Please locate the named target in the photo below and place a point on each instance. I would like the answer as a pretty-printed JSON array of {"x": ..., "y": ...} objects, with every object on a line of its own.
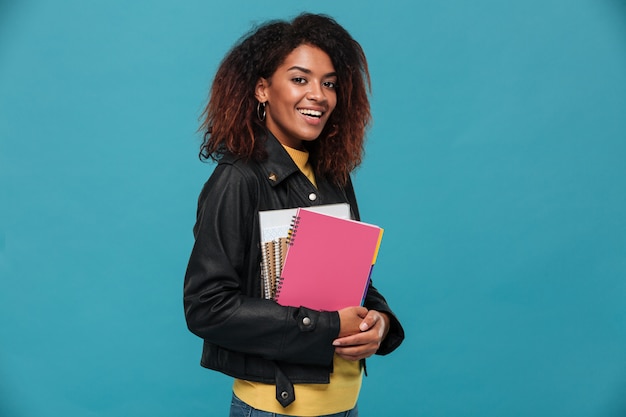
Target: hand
[
  {"x": 372, "y": 330},
  {"x": 350, "y": 319}
]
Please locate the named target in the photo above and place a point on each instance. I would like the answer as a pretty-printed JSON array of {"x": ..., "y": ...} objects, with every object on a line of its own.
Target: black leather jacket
[{"x": 244, "y": 335}]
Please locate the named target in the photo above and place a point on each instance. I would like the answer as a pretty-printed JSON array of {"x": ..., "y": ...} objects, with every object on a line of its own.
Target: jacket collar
[{"x": 278, "y": 165}]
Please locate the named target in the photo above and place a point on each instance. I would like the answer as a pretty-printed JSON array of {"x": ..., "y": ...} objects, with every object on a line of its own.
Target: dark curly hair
[{"x": 230, "y": 119}]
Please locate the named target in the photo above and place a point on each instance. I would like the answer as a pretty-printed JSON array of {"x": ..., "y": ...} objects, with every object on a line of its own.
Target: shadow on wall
[
  {"x": 6, "y": 9},
  {"x": 618, "y": 408},
  {"x": 620, "y": 11}
]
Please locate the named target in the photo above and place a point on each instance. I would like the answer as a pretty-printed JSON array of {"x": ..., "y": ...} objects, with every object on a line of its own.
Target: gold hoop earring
[{"x": 260, "y": 111}]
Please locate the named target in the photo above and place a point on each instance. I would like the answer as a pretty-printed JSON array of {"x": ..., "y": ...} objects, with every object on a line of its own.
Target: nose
[{"x": 316, "y": 92}]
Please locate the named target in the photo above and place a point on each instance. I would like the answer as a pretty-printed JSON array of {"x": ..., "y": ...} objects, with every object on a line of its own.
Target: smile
[{"x": 312, "y": 113}]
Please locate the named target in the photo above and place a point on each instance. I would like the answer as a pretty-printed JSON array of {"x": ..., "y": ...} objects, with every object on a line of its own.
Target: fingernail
[
  {"x": 336, "y": 343},
  {"x": 363, "y": 327}
]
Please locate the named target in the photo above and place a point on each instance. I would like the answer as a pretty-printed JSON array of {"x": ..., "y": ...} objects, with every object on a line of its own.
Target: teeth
[{"x": 308, "y": 112}]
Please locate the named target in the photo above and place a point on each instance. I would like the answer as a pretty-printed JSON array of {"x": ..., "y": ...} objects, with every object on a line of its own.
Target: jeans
[{"x": 240, "y": 409}]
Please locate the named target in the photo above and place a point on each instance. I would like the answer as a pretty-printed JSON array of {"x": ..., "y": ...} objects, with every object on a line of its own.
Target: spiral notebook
[
  {"x": 328, "y": 263},
  {"x": 274, "y": 227}
]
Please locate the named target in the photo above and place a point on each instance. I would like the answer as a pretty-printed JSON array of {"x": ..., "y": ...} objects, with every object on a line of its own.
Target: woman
[{"x": 286, "y": 122}]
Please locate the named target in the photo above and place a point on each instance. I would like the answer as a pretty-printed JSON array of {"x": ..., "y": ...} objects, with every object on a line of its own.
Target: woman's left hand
[{"x": 374, "y": 328}]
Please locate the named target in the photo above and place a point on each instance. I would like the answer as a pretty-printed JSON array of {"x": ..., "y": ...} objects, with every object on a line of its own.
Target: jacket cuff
[
  {"x": 394, "y": 337},
  {"x": 312, "y": 343}
]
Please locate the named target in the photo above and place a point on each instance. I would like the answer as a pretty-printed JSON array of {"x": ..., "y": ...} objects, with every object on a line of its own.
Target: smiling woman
[
  {"x": 300, "y": 96},
  {"x": 286, "y": 122},
  {"x": 235, "y": 118}
]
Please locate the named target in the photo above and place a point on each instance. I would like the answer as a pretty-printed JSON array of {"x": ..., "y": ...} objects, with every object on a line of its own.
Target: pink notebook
[{"x": 328, "y": 262}]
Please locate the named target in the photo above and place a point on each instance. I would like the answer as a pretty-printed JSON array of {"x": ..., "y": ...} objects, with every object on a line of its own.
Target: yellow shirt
[
  {"x": 340, "y": 394},
  {"x": 301, "y": 159}
]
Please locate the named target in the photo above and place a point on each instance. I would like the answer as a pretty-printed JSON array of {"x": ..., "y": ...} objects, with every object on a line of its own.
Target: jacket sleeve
[
  {"x": 219, "y": 298},
  {"x": 375, "y": 301}
]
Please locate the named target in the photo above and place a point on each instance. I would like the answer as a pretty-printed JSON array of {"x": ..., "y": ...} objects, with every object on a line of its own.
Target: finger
[
  {"x": 369, "y": 321},
  {"x": 351, "y": 358},
  {"x": 346, "y": 341},
  {"x": 355, "y": 353},
  {"x": 350, "y": 355},
  {"x": 357, "y": 339}
]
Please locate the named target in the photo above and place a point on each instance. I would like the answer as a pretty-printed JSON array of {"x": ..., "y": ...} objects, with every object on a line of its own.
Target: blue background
[{"x": 496, "y": 164}]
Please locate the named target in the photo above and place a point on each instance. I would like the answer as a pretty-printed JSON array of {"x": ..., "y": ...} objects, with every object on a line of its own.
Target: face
[{"x": 299, "y": 96}]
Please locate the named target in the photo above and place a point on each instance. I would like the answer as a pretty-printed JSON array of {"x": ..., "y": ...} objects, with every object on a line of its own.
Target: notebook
[
  {"x": 275, "y": 225},
  {"x": 328, "y": 263}
]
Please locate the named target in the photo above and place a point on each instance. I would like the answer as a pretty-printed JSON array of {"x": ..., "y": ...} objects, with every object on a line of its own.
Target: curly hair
[{"x": 230, "y": 120}]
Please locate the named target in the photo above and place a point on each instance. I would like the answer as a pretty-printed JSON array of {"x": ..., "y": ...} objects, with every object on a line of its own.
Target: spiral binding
[
  {"x": 279, "y": 279},
  {"x": 279, "y": 286},
  {"x": 278, "y": 265},
  {"x": 293, "y": 228},
  {"x": 265, "y": 271},
  {"x": 272, "y": 259},
  {"x": 291, "y": 236}
]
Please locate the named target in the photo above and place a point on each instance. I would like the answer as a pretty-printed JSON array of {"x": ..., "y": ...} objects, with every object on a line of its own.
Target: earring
[{"x": 260, "y": 111}]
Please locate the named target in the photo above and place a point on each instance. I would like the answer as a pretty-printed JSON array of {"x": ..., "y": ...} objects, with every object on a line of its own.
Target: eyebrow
[{"x": 308, "y": 71}]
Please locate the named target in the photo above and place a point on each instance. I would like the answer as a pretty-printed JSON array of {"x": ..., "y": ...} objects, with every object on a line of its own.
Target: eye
[
  {"x": 330, "y": 84},
  {"x": 299, "y": 80}
]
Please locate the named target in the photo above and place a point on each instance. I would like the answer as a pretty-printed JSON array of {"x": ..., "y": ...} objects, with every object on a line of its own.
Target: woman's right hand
[{"x": 350, "y": 318}]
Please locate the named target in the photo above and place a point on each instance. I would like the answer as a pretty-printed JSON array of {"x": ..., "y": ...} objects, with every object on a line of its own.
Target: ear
[{"x": 260, "y": 91}]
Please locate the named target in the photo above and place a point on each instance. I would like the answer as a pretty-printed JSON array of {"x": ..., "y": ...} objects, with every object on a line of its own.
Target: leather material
[{"x": 244, "y": 335}]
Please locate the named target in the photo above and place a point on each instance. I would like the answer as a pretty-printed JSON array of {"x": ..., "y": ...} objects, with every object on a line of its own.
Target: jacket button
[
  {"x": 284, "y": 395},
  {"x": 312, "y": 196},
  {"x": 306, "y": 321}
]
